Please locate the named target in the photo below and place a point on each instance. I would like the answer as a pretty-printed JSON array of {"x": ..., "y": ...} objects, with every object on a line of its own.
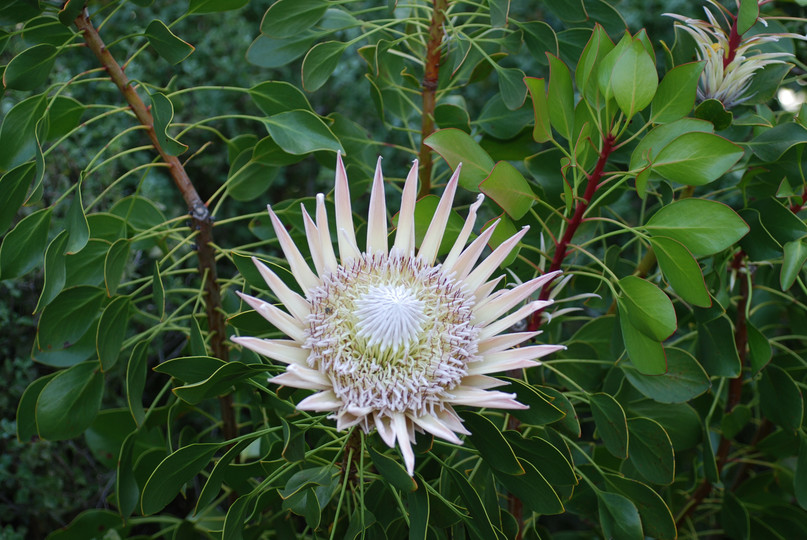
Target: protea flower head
[
  {"x": 731, "y": 61},
  {"x": 386, "y": 337}
]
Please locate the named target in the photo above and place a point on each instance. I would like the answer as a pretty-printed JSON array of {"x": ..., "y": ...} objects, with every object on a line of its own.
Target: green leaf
[
  {"x": 795, "y": 255},
  {"x": 77, "y": 224},
  {"x": 605, "y": 67},
  {"x": 647, "y": 307},
  {"x": 115, "y": 264},
  {"x": 215, "y": 6},
  {"x": 560, "y": 97},
  {"x": 14, "y": 185},
  {"x": 541, "y": 410},
  {"x": 499, "y": 10},
  {"x": 287, "y": 18},
  {"x": 759, "y": 349},
  {"x": 219, "y": 382},
  {"x": 249, "y": 177},
  {"x": 684, "y": 221},
  {"x": 26, "y": 408},
  {"x": 21, "y": 249},
  {"x": 695, "y": 159},
  {"x": 651, "y": 451},
  {"x": 532, "y": 489},
  {"x": 598, "y": 46},
  {"x": 70, "y": 10},
  {"x": 18, "y": 135},
  {"x": 166, "y": 43},
  {"x": 190, "y": 369},
  {"x": 54, "y": 271},
  {"x": 31, "y": 68},
  {"x": 456, "y": 147},
  {"x": 771, "y": 144},
  {"x": 91, "y": 524},
  {"x": 800, "y": 476},
  {"x": 500, "y": 122},
  {"x": 619, "y": 517},
  {"x": 542, "y": 131},
  {"x": 163, "y": 112},
  {"x": 448, "y": 115},
  {"x": 645, "y": 352},
  {"x": 480, "y": 520},
  {"x": 734, "y": 516},
  {"x": 735, "y": 420},
  {"x": 780, "y": 398},
  {"x": 540, "y": 38},
  {"x": 511, "y": 87},
  {"x": 112, "y": 331},
  {"x": 676, "y": 93},
  {"x": 136, "y": 371},
  {"x": 545, "y": 456},
  {"x": 681, "y": 270},
  {"x": 509, "y": 189},
  {"x": 419, "y": 511},
  {"x": 302, "y": 132},
  {"x": 173, "y": 473},
  {"x": 713, "y": 110},
  {"x": 197, "y": 340},
  {"x": 127, "y": 492},
  {"x": 657, "y": 520},
  {"x": 320, "y": 62},
  {"x": 70, "y": 401},
  {"x": 716, "y": 348},
  {"x": 684, "y": 380},
  {"x": 747, "y": 16},
  {"x": 219, "y": 474},
  {"x": 68, "y": 317},
  {"x": 393, "y": 472},
  {"x": 107, "y": 433},
  {"x": 274, "y": 53},
  {"x": 275, "y": 97},
  {"x": 569, "y": 424},
  {"x": 611, "y": 423},
  {"x": 649, "y": 147},
  {"x": 634, "y": 79},
  {"x": 62, "y": 116},
  {"x": 492, "y": 446}
]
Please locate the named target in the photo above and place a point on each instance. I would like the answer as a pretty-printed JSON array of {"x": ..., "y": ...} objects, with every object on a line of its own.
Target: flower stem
[
  {"x": 430, "y": 76},
  {"x": 199, "y": 213},
  {"x": 562, "y": 245}
]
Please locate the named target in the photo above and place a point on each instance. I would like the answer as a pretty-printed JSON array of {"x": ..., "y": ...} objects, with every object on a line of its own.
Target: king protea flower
[
  {"x": 729, "y": 56},
  {"x": 386, "y": 337}
]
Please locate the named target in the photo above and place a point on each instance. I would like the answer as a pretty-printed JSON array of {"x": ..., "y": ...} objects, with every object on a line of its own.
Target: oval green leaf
[
  {"x": 611, "y": 423},
  {"x": 647, "y": 307},
  {"x": 455, "y": 147},
  {"x": 320, "y": 62},
  {"x": 70, "y": 401},
  {"x": 695, "y": 159},
  {"x": 681, "y": 270},
  {"x": 302, "y": 132}
]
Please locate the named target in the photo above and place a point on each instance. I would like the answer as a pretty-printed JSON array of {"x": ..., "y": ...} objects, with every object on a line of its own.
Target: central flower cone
[{"x": 386, "y": 337}]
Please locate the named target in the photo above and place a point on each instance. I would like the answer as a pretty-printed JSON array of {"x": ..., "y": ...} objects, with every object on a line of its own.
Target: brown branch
[
  {"x": 430, "y": 77},
  {"x": 202, "y": 220}
]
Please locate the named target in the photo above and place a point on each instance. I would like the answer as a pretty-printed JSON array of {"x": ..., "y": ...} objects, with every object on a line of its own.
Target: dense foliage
[{"x": 140, "y": 144}]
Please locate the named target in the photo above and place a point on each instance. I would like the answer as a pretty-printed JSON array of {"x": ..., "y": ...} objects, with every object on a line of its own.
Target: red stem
[{"x": 562, "y": 245}]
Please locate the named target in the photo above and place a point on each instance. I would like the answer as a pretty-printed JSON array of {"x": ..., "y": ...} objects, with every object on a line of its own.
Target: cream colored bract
[{"x": 388, "y": 338}]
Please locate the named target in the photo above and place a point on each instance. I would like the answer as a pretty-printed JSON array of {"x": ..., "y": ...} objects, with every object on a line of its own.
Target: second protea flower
[
  {"x": 386, "y": 337},
  {"x": 730, "y": 57}
]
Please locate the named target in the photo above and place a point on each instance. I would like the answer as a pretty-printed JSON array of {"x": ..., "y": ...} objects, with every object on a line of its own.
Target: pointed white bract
[
  {"x": 386, "y": 338},
  {"x": 731, "y": 60}
]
